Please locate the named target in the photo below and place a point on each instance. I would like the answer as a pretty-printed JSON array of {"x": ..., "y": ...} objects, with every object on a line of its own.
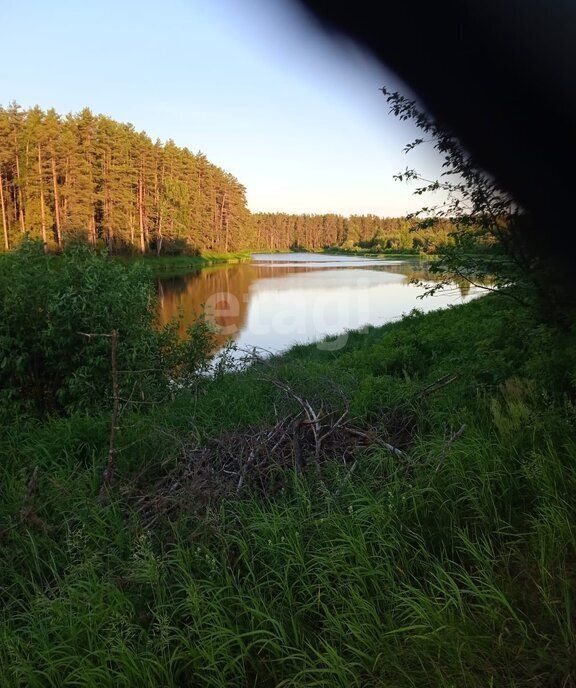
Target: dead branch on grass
[{"x": 261, "y": 459}]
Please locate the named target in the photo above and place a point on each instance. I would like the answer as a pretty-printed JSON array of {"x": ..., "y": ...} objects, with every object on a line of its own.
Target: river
[{"x": 274, "y": 301}]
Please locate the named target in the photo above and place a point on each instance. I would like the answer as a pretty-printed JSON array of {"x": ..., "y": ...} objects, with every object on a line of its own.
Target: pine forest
[{"x": 86, "y": 177}]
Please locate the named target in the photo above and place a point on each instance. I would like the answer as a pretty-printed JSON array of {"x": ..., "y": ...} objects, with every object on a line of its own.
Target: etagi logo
[{"x": 323, "y": 315}]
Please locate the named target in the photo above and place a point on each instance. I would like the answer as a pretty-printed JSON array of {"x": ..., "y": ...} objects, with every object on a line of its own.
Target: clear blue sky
[{"x": 296, "y": 116}]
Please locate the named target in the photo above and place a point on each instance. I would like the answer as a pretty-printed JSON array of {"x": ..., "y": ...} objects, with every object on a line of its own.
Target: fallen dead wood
[
  {"x": 261, "y": 459},
  {"x": 438, "y": 384}
]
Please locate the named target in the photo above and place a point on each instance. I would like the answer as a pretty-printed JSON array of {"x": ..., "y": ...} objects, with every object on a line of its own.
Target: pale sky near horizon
[{"x": 295, "y": 116}]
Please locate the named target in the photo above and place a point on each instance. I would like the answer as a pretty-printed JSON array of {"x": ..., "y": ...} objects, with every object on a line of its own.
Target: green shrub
[{"x": 58, "y": 313}]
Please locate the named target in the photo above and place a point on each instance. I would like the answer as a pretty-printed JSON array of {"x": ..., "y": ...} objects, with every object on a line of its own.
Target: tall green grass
[{"x": 454, "y": 567}]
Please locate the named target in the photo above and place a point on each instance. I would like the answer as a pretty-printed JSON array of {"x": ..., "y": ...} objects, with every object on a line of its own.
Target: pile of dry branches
[{"x": 261, "y": 458}]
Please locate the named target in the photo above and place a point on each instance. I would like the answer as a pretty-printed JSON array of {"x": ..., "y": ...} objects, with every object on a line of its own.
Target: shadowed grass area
[{"x": 451, "y": 564}]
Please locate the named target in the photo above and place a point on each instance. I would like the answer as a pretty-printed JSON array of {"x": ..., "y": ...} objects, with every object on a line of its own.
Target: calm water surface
[{"x": 277, "y": 300}]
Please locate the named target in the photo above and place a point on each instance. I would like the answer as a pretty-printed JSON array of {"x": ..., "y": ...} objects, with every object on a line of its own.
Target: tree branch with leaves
[{"x": 486, "y": 246}]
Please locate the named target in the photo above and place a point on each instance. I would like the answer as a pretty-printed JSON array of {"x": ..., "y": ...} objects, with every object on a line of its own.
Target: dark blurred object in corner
[{"x": 501, "y": 75}]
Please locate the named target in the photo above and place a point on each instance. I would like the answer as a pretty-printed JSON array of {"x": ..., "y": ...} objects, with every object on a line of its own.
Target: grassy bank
[
  {"x": 165, "y": 264},
  {"x": 161, "y": 264},
  {"x": 435, "y": 549}
]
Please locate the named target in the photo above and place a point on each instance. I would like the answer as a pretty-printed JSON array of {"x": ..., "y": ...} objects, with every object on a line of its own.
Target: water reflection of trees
[
  {"x": 419, "y": 272},
  {"x": 224, "y": 291},
  {"x": 186, "y": 296}
]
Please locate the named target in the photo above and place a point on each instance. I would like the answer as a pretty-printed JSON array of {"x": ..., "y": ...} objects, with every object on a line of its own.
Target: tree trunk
[
  {"x": 42, "y": 204},
  {"x": 131, "y": 223},
  {"x": 141, "y": 211},
  {"x": 221, "y": 223},
  {"x": 92, "y": 229},
  {"x": 20, "y": 201},
  {"x": 66, "y": 188},
  {"x": 107, "y": 169},
  {"x": 56, "y": 202},
  {"x": 4, "y": 221},
  {"x": 159, "y": 237}
]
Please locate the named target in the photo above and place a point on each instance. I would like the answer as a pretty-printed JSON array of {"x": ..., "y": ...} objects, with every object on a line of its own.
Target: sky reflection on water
[{"x": 277, "y": 300}]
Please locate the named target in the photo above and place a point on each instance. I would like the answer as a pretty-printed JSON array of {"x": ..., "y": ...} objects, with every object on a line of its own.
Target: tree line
[
  {"x": 284, "y": 230},
  {"x": 90, "y": 177},
  {"x": 87, "y": 177}
]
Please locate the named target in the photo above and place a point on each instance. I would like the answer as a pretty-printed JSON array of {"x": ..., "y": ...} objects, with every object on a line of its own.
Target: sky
[{"x": 294, "y": 114}]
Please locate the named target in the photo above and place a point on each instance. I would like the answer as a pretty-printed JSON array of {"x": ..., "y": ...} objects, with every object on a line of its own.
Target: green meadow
[{"x": 399, "y": 512}]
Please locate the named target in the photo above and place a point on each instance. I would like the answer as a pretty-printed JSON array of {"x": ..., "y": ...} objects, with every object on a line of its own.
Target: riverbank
[
  {"x": 396, "y": 513},
  {"x": 368, "y": 253},
  {"x": 162, "y": 264},
  {"x": 166, "y": 264}
]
